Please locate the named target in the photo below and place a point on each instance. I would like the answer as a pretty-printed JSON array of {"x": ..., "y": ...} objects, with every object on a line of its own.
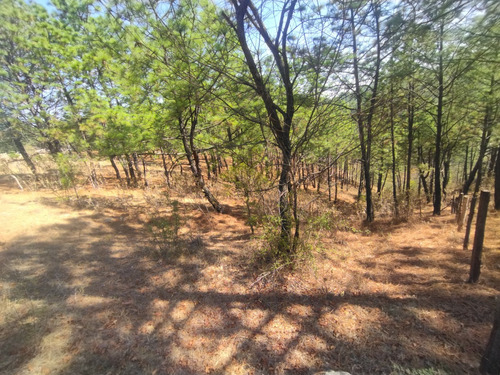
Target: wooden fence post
[
  {"x": 464, "y": 205},
  {"x": 470, "y": 218},
  {"x": 490, "y": 363},
  {"x": 459, "y": 207},
  {"x": 482, "y": 212}
]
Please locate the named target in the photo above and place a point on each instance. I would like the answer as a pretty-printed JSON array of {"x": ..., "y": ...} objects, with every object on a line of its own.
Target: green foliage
[
  {"x": 270, "y": 255},
  {"x": 67, "y": 170}
]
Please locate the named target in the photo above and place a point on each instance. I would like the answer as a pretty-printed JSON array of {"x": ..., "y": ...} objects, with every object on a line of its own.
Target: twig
[{"x": 18, "y": 183}]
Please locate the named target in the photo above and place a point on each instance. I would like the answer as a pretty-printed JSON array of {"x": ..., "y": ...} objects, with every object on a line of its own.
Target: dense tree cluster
[{"x": 292, "y": 92}]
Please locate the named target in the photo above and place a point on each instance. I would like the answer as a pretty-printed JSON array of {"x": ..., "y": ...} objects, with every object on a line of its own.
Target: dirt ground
[{"x": 80, "y": 292}]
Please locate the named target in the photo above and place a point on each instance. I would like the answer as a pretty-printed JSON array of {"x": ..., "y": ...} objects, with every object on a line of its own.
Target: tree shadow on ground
[{"x": 126, "y": 314}]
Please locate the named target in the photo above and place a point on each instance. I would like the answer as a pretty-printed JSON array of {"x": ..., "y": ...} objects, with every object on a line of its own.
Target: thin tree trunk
[
  {"x": 146, "y": 183},
  {"x": 113, "y": 164},
  {"x": 329, "y": 178},
  {"x": 125, "y": 170},
  {"x": 192, "y": 156},
  {"x": 411, "y": 117},
  {"x": 497, "y": 184},
  {"x": 466, "y": 163},
  {"x": 20, "y": 147},
  {"x": 136, "y": 165},
  {"x": 439, "y": 126},
  {"x": 493, "y": 159},
  {"x": 131, "y": 169},
  {"x": 365, "y": 141},
  {"x": 208, "y": 166},
  {"x": 393, "y": 154},
  {"x": 165, "y": 168}
]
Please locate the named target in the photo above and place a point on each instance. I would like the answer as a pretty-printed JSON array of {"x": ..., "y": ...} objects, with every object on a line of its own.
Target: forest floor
[{"x": 81, "y": 291}]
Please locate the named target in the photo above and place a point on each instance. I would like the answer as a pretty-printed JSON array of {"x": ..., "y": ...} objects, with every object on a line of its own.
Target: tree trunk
[
  {"x": 165, "y": 168},
  {"x": 113, "y": 164},
  {"x": 485, "y": 137},
  {"x": 20, "y": 147},
  {"x": 490, "y": 363},
  {"x": 284, "y": 200},
  {"x": 329, "y": 178},
  {"x": 393, "y": 154},
  {"x": 379, "y": 183},
  {"x": 280, "y": 120},
  {"x": 466, "y": 163},
  {"x": 125, "y": 170},
  {"x": 411, "y": 117},
  {"x": 446, "y": 175},
  {"x": 477, "y": 250},
  {"x": 493, "y": 159},
  {"x": 136, "y": 165},
  {"x": 131, "y": 169},
  {"x": 439, "y": 127},
  {"x": 497, "y": 184},
  {"x": 208, "y": 165},
  {"x": 146, "y": 183},
  {"x": 365, "y": 141},
  {"x": 192, "y": 156}
]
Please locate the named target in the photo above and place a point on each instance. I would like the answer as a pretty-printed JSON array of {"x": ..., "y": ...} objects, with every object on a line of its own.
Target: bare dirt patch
[{"x": 81, "y": 294}]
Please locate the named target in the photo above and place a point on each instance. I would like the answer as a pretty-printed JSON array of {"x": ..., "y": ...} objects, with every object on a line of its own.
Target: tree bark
[
  {"x": 280, "y": 127},
  {"x": 497, "y": 184},
  {"x": 136, "y": 165},
  {"x": 411, "y": 118},
  {"x": 466, "y": 163},
  {"x": 20, "y": 147},
  {"x": 208, "y": 165},
  {"x": 131, "y": 168},
  {"x": 113, "y": 164},
  {"x": 439, "y": 126},
  {"x": 366, "y": 140},
  {"x": 490, "y": 362},
  {"x": 165, "y": 168},
  {"x": 493, "y": 159},
  {"x": 125, "y": 170},
  {"x": 477, "y": 250},
  {"x": 192, "y": 156},
  {"x": 393, "y": 154}
]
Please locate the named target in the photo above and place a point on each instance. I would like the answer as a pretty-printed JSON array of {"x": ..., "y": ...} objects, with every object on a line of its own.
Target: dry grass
[{"x": 80, "y": 293}]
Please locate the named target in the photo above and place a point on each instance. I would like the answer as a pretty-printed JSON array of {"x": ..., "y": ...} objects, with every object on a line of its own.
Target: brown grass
[{"x": 80, "y": 293}]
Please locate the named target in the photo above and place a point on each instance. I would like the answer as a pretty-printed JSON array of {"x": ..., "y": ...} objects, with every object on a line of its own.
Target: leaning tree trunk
[
  {"x": 193, "y": 159},
  {"x": 24, "y": 154},
  {"x": 113, "y": 164}
]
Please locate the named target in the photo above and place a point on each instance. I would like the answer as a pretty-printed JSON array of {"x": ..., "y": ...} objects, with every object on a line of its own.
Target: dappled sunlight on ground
[{"x": 81, "y": 294}]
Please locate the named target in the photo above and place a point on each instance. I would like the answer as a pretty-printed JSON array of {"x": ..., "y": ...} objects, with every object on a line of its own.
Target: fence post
[
  {"x": 482, "y": 212},
  {"x": 470, "y": 218},
  {"x": 459, "y": 207},
  {"x": 464, "y": 205}
]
